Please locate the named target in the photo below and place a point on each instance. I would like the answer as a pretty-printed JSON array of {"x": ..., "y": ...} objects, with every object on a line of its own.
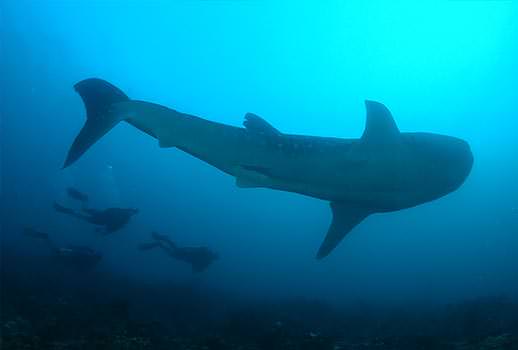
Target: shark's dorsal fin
[
  {"x": 256, "y": 124},
  {"x": 380, "y": 127},
  {"x": 345, "y": 218}
]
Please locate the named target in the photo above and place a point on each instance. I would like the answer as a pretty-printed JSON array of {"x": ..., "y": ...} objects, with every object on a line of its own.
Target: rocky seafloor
[
  {"x": 51, "y": 309},
  {"x": 62, "y": 323}
]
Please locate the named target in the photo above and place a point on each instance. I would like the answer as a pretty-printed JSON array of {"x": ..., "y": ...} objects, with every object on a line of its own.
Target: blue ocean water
[{"x": 443, "y": 67}]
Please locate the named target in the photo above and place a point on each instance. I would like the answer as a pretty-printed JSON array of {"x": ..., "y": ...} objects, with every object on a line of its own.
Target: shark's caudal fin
[
  {"x": 345, "y": 218},
  {"x": 98, "y": 95}
]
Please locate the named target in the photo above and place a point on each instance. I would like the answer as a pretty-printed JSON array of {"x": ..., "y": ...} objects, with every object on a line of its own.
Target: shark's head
[
  {"x": 428, "y": 166},
  {"x": 444, "y": 161}
]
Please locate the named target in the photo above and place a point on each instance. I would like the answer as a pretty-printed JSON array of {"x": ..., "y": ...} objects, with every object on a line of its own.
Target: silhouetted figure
[
  {"x": 199, "y": 257},
  {"x": 112, "y": 219},
  {"x": 80, "y": 257},
  {"x": 30, "y": 232},
  {"x": 77, "y": 195},
  {"x": 64, "y": 210}
]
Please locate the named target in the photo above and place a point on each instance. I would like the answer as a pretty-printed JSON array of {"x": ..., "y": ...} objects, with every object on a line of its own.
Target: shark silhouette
[{"x": 384, "y": 170}]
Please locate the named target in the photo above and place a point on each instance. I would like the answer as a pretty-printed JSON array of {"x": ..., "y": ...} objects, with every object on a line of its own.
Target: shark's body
[{"x": 384, "y": 170}]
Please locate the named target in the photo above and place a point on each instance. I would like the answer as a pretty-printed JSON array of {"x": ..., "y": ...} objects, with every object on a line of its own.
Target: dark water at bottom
[{"x": 44, "y": 306}]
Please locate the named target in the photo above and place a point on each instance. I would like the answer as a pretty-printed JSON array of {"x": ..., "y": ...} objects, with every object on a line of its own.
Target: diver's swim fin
[
  {"x": 64, "y": 210},
  {"x": 30, "y": 232},
  {"x": 162, "y": 238},
  {"x": 157, "y": 236},
  {"x": 98, "y": 95},
  {"x": 77, "y": 195},
  {"x": 148, "y": 246}
]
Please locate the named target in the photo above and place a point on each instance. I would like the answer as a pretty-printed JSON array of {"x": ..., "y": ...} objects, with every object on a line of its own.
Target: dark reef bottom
[{"x": 58, "y": 309}]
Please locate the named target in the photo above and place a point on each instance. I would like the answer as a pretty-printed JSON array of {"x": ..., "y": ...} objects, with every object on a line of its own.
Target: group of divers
[{"x": 108, "y": 221}]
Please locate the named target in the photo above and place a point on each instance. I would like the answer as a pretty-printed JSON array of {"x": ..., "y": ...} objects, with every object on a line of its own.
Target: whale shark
[{"x": 384, "y": 170}]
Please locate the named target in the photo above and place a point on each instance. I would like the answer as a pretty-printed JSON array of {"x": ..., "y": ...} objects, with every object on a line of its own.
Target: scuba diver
[
  {"x": 82, "y": 258},
  {"x": 112, "y": 219},
  {"x": 199, "y": 257}
]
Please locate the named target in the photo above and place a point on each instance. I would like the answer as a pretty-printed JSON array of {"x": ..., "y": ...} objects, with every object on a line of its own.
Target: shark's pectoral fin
[
  {"x": 256, "y": 124},
  {"x": 250, "y": 176},
  {"x": 345, "y": 218}
]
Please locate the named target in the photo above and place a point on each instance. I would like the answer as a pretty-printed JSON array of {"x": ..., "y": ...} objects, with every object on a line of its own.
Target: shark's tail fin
[{"x": 98, "y": 95}]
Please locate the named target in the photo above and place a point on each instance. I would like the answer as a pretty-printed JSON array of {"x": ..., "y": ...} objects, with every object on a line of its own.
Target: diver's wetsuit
[
  {"x": 80, "y": 257},
  {"x": 199, "y": 257},
  {"x": 113, "y": 219}
]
